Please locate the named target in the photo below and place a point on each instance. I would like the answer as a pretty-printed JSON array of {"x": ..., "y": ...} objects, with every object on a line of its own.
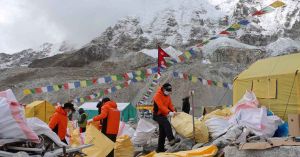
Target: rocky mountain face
[
  {"x": 120, "y": 49},
  {"x": 26, "y": 57}
]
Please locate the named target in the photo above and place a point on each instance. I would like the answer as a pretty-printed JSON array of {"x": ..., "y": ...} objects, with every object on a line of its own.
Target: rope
[
  {"x": 219, "y": 102},
  {"x": 290, "y": 95}
]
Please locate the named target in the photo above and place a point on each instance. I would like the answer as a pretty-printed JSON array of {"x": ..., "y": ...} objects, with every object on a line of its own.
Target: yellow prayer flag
[
  {"x": 26, "y": 92},
  {"x": 277, "y": 4},
  {"x": 118, "y": 87},
  {"x": 83, "y": 84},
  {"x": 114, "y": 77},
  {"x": 139, "y": 72},
  {"x": 194, "y": 79},
  {"x": 138, "y": 78},
  {"x": 236, "y": 26},
  {"x": 55, "y": 88},
  {"x": 187, "y": 54},
  {"x": 219, "y": 84}
]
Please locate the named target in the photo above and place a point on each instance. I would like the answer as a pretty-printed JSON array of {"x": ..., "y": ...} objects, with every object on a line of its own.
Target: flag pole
[{"x": 193, "y": 113}]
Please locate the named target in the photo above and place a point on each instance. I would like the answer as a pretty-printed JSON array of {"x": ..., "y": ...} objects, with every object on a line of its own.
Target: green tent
[{"x": 127, "y": 110}]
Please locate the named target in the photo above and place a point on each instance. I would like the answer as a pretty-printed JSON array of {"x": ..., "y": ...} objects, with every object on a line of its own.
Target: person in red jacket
[
  {"x": 162, "y": 109},
  {"x": 59, "y": 120},
  {"x": 110, "y": 120}
]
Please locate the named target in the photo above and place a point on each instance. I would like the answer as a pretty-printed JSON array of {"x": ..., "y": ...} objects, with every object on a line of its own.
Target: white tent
[{"x": 126, "y": 109}]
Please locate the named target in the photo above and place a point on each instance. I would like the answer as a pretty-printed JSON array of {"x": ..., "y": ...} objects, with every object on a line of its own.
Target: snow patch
[
  {"x": 213, "y": 45},
  {"x": 283, "y": 46}
]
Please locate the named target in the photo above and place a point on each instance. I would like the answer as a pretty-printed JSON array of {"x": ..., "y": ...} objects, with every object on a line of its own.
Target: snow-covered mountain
[
  {"x": 25, "y": 57},
  {"x": 186, "y": 23}
]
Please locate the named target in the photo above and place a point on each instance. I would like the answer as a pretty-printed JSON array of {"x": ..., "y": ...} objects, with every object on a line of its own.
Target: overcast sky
[{"x": 29, "y": 23}]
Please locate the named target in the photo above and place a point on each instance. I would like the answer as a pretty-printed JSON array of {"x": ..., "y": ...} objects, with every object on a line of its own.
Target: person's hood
[
  {"x": 111, "y": 104},
  {"x": 60, "y": 110},
  {"x": 160, "y": 91}
]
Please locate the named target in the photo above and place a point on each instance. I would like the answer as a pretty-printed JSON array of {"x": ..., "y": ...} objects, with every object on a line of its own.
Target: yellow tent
[
  {"x": 40, "y": 109},
  {"x": 275, "y": 81}
]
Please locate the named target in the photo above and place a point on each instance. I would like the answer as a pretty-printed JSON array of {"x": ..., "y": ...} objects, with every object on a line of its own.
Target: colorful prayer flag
[
  {"x": 26, "y": 92},
  {"x": 277, "y": 4},
  {"x": 224, "y": 33},
  {"x": 244, "y": 22},
  {"x": 83, "y": 84},
  {"x": 268, "y": 9}
]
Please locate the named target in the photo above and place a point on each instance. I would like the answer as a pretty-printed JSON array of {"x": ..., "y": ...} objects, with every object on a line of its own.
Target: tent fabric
[
  {"x": 275, "y": 80},
  {"x": 40, "y": 109},
  {"x": 127, "y": 110}
]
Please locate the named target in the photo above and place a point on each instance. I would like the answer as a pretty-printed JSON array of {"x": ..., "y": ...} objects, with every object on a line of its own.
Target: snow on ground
[
  {"x": 213, "y": 45},
  {"x": 283, "y": 46}
]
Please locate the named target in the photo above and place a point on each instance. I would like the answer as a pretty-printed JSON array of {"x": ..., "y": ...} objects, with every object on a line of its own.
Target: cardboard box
[
  {"x": 272, "y": 142},
  {"x": 294, "y": 124}
]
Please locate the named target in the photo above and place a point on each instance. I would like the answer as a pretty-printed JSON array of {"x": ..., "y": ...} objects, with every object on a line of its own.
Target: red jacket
[
  {"x": 59, "y": 122},
  {"x": 162, "y": 103}
]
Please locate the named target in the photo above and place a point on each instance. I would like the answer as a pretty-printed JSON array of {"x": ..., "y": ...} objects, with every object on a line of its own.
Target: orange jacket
[
  {"x": 162, "y": 103},
  {"x": 110, "y": 117},
  {"x": 59, "y": 121},
  {"x": 105, "y": 109}
]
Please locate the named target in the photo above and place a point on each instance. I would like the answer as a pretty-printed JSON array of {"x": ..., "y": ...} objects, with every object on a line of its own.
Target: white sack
[
  {"x": 40, "y": 127},
  {"x": 125, "y": 129},
  {"x": 217, "y": 126},
  {"x": 13, "y": 123},
  {"x": 257, "y": 121},
  {"x": 143, "y": 132}
]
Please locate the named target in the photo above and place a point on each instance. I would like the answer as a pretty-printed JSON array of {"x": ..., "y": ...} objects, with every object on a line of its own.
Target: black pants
[
  {"x": 113, "y": 138},
  {"x": 82, "y": 130},
  {"x": 165, "y": 130}
]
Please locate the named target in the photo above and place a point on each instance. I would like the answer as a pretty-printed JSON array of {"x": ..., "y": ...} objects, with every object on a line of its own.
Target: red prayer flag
[
  {"x": 66, "y": 86},
  {"x": 209, "y": 82},
  {"x": 161, "y": 61},
  {"x": 225, "y": 33},
  {"x": 38, "y": 90},
  {"x": 260, "y": 12}
]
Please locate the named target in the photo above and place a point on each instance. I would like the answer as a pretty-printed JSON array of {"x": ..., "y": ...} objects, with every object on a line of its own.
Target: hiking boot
[
  {"x": 159, "y": 151},
  {"x": 174, "y": 141}
]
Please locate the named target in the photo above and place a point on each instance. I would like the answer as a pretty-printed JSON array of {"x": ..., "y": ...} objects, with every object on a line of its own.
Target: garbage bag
[
  {"x": 13, "y": 123},
  {"x": 125, "y": 129},
  {"x": 124, "y": 147},
  {"x": 143, "y": 132},
  {"x": 224, "y": 113},
  {"x": 183, "y": 124},
  {"x": 217, "y": 126},
  {"x": 257, "y": 121},
  {"x": 282, "y": 131},
  {"x": 207, "y": 151},
  {"x": 40, "y": 127},
  {"x": 249, "y": 100},
  {"x": 102, "y": 145}
]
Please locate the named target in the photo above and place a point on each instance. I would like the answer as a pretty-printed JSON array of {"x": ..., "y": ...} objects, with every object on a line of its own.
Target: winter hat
[{"x": 167, "y": 87}]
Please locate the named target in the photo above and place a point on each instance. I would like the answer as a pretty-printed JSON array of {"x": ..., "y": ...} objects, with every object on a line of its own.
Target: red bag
[{"x": 113, "y": 121}]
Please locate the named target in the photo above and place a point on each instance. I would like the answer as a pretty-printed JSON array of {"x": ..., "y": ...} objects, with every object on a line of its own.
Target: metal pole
[{"x": 193, "y": 112}]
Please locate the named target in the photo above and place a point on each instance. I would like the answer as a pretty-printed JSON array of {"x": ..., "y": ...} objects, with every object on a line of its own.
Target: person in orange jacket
[
  {"x": 59, "y": 120},
  {"x": 162, "y": 109},
  {"x": 110, "y": 118}
]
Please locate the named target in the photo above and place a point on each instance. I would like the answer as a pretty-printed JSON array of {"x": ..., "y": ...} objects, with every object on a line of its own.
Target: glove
[{"x": 171, "y": 114}]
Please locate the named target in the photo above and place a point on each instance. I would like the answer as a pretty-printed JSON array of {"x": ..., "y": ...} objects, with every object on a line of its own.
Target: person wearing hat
[
  {"x": 59, "y": 120},
  {"x": 162, "y": 109},
  {"x": 82, "y": 122},
  {"x": 186, "y": 105},
  {"x": 109, "y": 116}
]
